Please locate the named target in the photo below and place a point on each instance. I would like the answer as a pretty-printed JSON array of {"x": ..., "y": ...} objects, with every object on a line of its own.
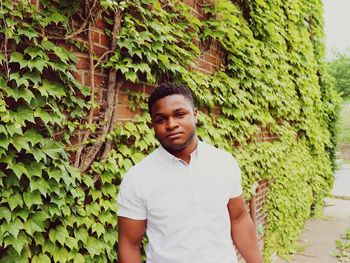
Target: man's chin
[{"x": 173, "y": 147}]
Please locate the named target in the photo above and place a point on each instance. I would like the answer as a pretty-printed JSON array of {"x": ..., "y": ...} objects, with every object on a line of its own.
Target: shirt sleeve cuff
[
  {"x": 236, "y": 193},
  {"x": 132, "y": 214}
]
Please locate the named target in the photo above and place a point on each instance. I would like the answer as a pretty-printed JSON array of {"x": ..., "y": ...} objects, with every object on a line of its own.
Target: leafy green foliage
[
  {"x": 154, "y": 42},
  {"x": 344, "y": 125},
  {"x": 273, "y": 82},
  {"x": 339, "y": 68},
  {"x": 342, "y": 251}
]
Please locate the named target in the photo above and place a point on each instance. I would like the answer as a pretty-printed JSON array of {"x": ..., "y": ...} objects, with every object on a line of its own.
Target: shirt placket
[{"x": 196, "y": 204}]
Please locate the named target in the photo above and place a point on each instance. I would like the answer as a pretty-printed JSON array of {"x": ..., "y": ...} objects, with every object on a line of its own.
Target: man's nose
[{"x": 171, "y": 124}]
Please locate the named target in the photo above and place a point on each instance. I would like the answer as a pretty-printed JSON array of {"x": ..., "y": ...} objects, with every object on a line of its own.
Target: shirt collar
[{"x": 171, "y": 158}]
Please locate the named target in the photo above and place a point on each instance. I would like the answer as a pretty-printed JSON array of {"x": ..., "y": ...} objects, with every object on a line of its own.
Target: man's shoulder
[
  {"x": 215, "y": 152},
  {"x": 145, "y": 166}
]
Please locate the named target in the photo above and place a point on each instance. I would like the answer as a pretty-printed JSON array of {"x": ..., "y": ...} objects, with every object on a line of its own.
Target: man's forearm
[
  {"x": 244, "y": 237},
  {"x": 128, "y": 253}
]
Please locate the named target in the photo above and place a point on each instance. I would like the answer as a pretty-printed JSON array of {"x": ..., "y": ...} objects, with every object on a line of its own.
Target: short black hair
[{"x": 167, "y": 89}]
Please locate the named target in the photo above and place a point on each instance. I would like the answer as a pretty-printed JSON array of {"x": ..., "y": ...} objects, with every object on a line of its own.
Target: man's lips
[{"x": 174, "y": 135}]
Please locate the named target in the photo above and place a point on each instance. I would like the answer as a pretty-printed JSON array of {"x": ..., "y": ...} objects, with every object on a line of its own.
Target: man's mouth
[{"x": 174, "y": 135}]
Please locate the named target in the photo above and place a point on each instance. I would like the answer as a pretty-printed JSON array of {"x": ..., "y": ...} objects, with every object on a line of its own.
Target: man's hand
[
  {"x": 130, "y": 236},
  {"x": 243, "y": 231}
]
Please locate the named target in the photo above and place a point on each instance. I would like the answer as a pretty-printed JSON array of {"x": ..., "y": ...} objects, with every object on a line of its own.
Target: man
[{"x": 186, "y": 195}]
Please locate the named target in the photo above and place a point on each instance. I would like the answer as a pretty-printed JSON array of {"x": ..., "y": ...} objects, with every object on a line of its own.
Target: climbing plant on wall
[{"x": 60, "y": 169}]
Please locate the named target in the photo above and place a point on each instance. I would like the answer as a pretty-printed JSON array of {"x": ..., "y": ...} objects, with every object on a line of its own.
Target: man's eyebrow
[{"x": 175, "y": 110}]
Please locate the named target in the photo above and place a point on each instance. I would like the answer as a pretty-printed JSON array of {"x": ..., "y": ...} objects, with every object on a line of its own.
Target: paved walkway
[{"x": 319, "y": 235}]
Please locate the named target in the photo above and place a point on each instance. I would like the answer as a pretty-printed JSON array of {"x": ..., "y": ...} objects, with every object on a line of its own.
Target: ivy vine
[{"x": 60, "y": 169}]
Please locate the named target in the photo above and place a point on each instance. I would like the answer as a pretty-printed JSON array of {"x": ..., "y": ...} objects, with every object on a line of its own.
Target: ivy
[{"x": 272, "y": 82}]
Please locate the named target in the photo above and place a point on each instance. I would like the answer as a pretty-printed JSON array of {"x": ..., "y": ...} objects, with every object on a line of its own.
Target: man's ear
[{"x": 195, "y": 114}]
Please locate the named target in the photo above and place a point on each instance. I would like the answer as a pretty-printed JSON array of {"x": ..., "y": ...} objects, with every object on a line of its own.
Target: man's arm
[
  {"x": 130, "y": 237},
  {"x": 243, "y": 231}
]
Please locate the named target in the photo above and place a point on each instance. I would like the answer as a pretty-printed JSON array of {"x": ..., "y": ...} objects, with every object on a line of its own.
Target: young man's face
[{"x": 174, "y": 122}]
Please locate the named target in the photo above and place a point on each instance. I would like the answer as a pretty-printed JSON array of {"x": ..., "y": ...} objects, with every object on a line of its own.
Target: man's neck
[{"x": 185, "y": 153}]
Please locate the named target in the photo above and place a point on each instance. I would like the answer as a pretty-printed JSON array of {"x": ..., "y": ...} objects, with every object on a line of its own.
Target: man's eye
[
  {"x": 180, "y": 114},
  {"x": 159, "y": 120}
]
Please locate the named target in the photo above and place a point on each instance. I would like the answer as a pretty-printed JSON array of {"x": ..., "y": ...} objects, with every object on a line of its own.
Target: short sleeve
[
  {"x": 130, "y": 203},
  {"x": 235, "y": 179}
]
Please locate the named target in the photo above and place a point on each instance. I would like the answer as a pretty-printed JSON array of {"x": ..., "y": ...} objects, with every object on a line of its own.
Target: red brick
[
  {"x": 189, "y": 2},
  {"x": 104, "y": 40},
  {"x": 124, "y": 112},
  {"x": 99, "y": 51},
  {"x": 79, "y": 76},
  {"x": 132, "y": 86},
  {"x": 209, "y": 58},
  {"x": 98, "y": 79},
  {"x": 99, "y": 23},
  {"x": 95, "y": 37},
  {"x": 83, "y": 63},
  {"x": 149, "y": 89},
  {"x": 123, "y": 98}
]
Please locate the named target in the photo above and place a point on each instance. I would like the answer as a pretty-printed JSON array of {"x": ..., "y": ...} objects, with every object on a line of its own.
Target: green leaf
[
  {"x": 137, "y": 157},
  {"x": 18, "y": 93},
  {"x": 14, "y": 227},
  {"x": 4, "y": 141},
  {"x": 164, "y": 59},
  {"x": 61, "y": 255},
  {"x": 52, "y": 149},
  {"x": 33, "y": 76},
  {"x": 31, "y": 227},
  {"x": 98, "y": 228},
  {"x": 24, "y": 113},
  {"x": 19, "y": 80},
  {"x": 62, "y": 53},
  {"x": 17, "y": 243},
  {"x": 37, "y": 63},
  {"x": 81, "y": 234},
  {"x": 53, "y": 89},
  {"x": 20, "y": 142},
  {"x": 78, "y": 258},
  {"x": 14, "y": 201},
  {"x": 72, "y": 243},
  {"x": 41, "y": 185},
  {"x": 14, "y": 128},
  {"x": 42, "y": 258},
  {"x": 48, "y": 45},
  {"x": 57, "y": 18},
  {"x": 125, "y": 150},
  {"x": 94, "y": 246},
  {"x": 28, "y": 32},
  {"x": 43, "y": 115},
  {"x": 34, "y": 52},
  {"x": 23, "y": 213},
  {"x": 88, "y": 181},
  {"x": 38, "y": 154},
  {"x": 18, "y": 169},
  {"x": 93, "y": 209},
  {"x": 131, "y": 75},
  {"x": 58, "y": 234},
  {"x": 17, "y": 57},
  {"x": 33, "y": 136},
  {"x": 5, "y": 213},
  {"x": 32, "y": 198}
]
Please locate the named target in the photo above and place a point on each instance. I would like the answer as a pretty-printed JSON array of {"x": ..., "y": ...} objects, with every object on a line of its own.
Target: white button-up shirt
[{"x": 185, "y": 205}]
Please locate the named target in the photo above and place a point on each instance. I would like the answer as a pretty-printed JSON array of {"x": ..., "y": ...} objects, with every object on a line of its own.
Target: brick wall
[
  {"x": 255, "y": 207},
  {"x": 211, "y": 58},
  {"x": 209, "y": 62}
]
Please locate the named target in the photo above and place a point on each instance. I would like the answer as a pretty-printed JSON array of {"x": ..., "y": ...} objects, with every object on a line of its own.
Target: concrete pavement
[
  {"x": 341, "y": 187},
  {"x": 319, "y": 235}
]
